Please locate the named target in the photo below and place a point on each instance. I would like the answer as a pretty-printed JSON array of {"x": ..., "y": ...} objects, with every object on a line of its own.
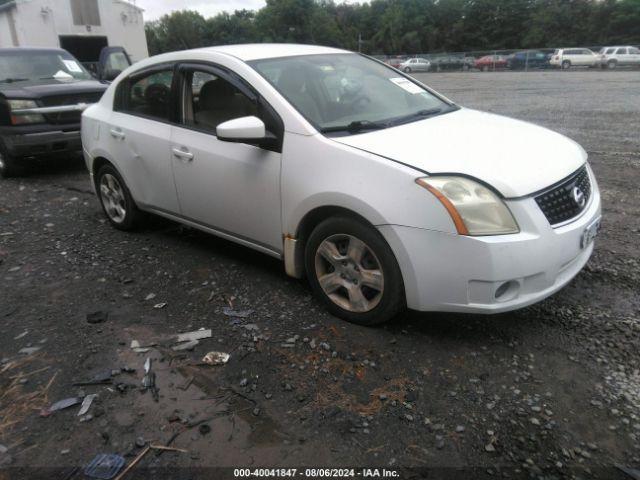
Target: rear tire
[
  {"x": 116, "y": 200},
  {"x": 9, "y": 165},
  {"x": 353, "y": 271}
]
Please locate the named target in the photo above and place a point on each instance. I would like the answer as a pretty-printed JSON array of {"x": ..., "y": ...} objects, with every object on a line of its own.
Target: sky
[{"x": 153, "y": 9}]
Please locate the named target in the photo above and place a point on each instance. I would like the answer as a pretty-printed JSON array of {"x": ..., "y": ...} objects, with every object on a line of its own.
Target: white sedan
[{"x": 383, "y": 193}]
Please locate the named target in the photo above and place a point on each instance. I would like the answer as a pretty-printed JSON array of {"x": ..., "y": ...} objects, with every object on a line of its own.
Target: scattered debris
[
  {"x": 104, "y": 466},
  {"x": 134, "y": 462},
  {"x": 168, "y": 449},
  {"x": 187, "y": 382},
  {"x": 197, "y": 335},
  {"x": 151, "y": 296},
  {"x": 230, "y": 312},
  {"x": 160, "y": 306},
  {"x": 100, "y": 378},
  {"x": 60, "y": 405},
  {"x": 216, "y": 358},
  {"x": 185, "y": 346},
  {"x": 22, "y": 335},
  {"x": 136, "y": 347},
  {"x": 97, "y": 317},
  {"x": 29, "y": 350},
  {"x": 149, "y": 380},
  {"x": 86, "y": 404}
]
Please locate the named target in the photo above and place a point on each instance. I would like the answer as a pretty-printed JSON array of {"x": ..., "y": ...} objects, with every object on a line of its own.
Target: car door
[
  {"x": 230, "y": 188},
  {"x": 634, "y": 56},
  {"x": 621, "y": 56},
  {"x": 139, "y": 132},
  {"x": 113, "y": 61}
]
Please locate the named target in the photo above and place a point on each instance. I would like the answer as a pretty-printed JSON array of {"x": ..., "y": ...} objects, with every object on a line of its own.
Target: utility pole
[{"x": 359, "y": 43}]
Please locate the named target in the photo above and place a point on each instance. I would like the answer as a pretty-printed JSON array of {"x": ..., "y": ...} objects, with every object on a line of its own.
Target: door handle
[
  {"x": 186, "y": 156},
  {"x": 117, "y": 133}
]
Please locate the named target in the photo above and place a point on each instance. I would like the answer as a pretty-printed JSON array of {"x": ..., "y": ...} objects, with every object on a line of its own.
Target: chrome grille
[
  {"x": 566, "y": 200},
  {"x": 68, "y": 117}
]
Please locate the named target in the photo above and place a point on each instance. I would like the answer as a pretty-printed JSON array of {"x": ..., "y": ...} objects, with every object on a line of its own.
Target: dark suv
[{"x": 43, "y": 92}]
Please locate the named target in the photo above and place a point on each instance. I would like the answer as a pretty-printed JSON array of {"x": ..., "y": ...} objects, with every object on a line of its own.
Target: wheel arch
[{"x": 295, "y": 242}]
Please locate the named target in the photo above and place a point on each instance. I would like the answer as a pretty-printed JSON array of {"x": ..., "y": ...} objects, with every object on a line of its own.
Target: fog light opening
[{"x": 507, "y": 291}]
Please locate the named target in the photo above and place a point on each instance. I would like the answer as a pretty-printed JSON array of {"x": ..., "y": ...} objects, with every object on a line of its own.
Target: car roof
[
  {"x": 30, "y": 49},
  {"x": 256, "y": 51}
]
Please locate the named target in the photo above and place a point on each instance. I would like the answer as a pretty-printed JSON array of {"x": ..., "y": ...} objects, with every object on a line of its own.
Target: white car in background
[
  {"x": 612, "y": 57},
  {"x": 350, "y": 172},
  {"x": 415, "y": 65},
  {"x": 566, "y": 58}
]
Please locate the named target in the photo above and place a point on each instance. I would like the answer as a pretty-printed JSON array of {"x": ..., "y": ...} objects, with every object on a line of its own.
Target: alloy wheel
[
  {"x": 349, "y": 273},
  {"x": 113, "y": 198}
]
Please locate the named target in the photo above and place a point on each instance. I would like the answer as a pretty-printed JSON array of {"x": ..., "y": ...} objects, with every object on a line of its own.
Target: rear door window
[{"x": 147, "y": 95}]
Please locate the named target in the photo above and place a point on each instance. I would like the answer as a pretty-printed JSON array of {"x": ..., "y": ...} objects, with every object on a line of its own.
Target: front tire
[
  {"x": 566, "y": 65},
  {"x": 9, "y": 166},
  {"x": 612, "y": 64},
  {"x": 407, "y": 70},
  {"x": 353, "y": 271},
  {"x": 116, "y": 200}
]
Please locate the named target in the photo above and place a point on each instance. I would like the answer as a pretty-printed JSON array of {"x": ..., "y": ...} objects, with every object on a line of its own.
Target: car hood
[
  {"x": 515, "y": 157},
  {"x": 43, "y": 88}
]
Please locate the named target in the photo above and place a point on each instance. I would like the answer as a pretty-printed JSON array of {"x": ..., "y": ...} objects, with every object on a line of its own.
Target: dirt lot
[{"x": 552, "y": 391}]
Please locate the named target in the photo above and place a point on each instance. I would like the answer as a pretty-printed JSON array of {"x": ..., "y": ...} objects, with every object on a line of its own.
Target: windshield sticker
[
  {"x": 407, "y": 85},
  {"x": 72, "y": 66},
  {"x": 62, "y": 75}
]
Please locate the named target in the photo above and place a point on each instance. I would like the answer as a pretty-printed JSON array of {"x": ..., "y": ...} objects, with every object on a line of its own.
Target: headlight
[
  {"x": 24, "y": 118},
  {"x": 474, "y": 209}
]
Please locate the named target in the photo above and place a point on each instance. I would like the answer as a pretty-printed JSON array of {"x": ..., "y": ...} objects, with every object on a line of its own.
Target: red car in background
[
  {"x": 491, "y": 62},
  {"x": 394, "y": 62}
]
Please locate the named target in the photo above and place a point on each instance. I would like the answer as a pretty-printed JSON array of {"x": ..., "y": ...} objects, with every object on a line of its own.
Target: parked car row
[{"x": 562, "y": 58}]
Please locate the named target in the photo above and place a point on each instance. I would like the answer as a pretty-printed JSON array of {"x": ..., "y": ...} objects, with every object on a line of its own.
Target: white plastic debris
[
  {"x": 196, "y": 335},
  {"x": 86, "y": 404},
  {"x": 216, "y": 358},
  {"x": 136, "y": 347},
  {"x": 185, "y": 345}
]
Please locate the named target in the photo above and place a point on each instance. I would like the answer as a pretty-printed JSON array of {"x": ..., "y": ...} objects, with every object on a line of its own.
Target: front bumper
[
  {"x": 41, "y": 140},
  {"x": 455, "y": 273}
]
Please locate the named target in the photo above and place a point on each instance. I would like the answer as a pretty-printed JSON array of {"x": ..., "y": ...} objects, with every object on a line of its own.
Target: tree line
[{"x": 408, "y": 26}]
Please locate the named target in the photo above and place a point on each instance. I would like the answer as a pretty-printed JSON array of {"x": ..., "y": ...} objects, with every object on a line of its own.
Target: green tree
[{"x": 409, "y": 26}]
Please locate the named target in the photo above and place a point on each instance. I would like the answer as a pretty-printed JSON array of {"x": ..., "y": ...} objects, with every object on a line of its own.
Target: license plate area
[{"x": 590, "y": 233}]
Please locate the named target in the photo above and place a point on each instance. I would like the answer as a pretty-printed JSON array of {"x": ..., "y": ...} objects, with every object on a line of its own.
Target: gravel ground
[{"x": 551, "y": 391}]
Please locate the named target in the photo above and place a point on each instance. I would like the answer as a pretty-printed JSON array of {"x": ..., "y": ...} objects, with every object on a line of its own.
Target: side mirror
[
  {"x": 241, "y": 130},
  {"x": 249, "y": 130},
  {"x": 110, "y": 75}
]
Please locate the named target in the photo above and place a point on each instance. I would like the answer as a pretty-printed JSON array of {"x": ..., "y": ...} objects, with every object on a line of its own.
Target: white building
[{"x": 83, "y": 27}]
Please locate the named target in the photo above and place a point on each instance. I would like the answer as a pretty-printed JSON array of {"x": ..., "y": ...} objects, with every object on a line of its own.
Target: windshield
[
  {"x": 22, "y": 64},
  {"x": 348, "y": 91}
]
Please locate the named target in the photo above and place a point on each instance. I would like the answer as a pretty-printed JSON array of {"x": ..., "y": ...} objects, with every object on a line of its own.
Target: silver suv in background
[
  {"x": 613, "y": 57},
  {"x": 574, "y": 57}
]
